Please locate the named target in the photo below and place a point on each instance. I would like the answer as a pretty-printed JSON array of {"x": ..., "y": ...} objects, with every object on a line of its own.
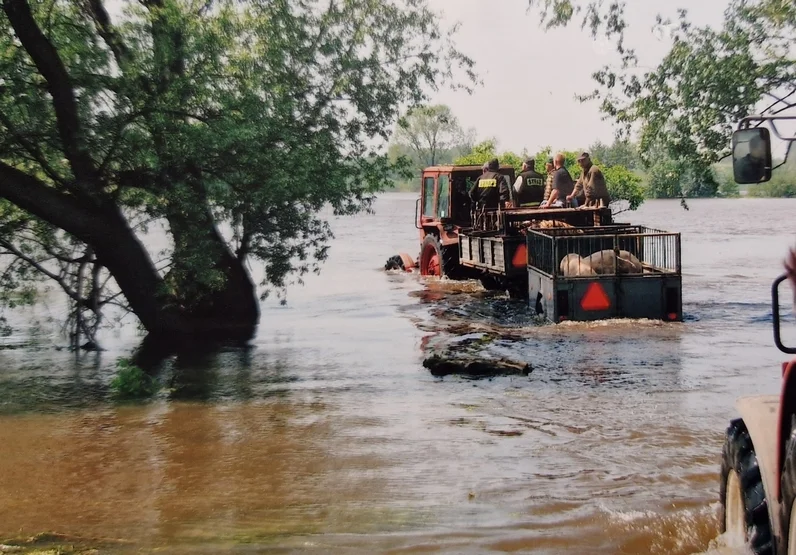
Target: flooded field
[{"x": 329, "y": 436}]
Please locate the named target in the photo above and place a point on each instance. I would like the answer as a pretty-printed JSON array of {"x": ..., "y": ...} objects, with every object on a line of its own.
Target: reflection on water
[{"x": 328, "y": 434}]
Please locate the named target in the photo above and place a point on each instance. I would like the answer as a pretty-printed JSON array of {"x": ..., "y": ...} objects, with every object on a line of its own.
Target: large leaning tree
[
  {"x": 710, "y": 79},
  {"x": 233, "y": 122}
]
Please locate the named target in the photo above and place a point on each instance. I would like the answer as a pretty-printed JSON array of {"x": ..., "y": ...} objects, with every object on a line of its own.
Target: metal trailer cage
[
  {"x": 497, "y": 244},
  {"x": 510, "y": 221},
  {"x": 594, "y": 273}
]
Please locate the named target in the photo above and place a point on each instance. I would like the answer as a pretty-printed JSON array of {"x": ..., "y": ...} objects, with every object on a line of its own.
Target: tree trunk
[
  {"x": 231, "y": 314},
  {"x": 82, "y": 208},
  {"x": 236, "y": 300}
]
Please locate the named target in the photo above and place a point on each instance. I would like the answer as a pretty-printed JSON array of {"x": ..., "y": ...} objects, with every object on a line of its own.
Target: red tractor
[
  {"x": 458, "y": 242},
  {"x": 758, "y": 470},
  {"x": 441, "y": 212}
]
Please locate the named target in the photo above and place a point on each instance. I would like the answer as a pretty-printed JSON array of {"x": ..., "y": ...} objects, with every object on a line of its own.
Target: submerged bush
[{"x": 131, "y": 382}]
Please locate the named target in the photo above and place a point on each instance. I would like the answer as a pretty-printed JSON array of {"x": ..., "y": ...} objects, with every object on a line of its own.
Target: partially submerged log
[{"x": 475, "y": 367}]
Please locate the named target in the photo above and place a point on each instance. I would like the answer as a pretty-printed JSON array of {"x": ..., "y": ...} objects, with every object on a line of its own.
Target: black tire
[
  {"x": 739, "y": 456},
  {"x": 788, "y": 487},
  {"x": 448, "y": 255}
]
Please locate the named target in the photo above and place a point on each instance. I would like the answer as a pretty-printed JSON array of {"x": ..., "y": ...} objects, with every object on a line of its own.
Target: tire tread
[{"x": 738, "y": 454}]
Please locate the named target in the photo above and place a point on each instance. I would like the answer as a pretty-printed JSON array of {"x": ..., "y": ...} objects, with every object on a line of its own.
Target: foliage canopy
[
  {"x": 710, "y": 78},
  {"x": 233, "y": 123}
]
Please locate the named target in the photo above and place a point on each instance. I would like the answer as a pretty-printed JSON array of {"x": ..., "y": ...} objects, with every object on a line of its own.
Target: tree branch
[
  {"x": 59, "y": 209},
  {"x": 106, "y": 30},
  {"x": 38, "y": 266},
  {"x": 778, "y": 100},
  {"x": 51, "y": 67},
  {"x": 47, "y": 249},
  {"x": 31, "y": 149}
]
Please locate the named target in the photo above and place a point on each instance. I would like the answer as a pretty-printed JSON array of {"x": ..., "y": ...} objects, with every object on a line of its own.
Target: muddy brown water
[{"x": 329, "y": 436}]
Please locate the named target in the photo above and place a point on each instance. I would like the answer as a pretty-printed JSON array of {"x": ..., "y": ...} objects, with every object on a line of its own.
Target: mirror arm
[{"x": 746, "y": 122}]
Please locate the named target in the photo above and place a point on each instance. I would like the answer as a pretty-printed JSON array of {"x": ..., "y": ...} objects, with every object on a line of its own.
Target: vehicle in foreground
[{"x": 758, "y": 468}]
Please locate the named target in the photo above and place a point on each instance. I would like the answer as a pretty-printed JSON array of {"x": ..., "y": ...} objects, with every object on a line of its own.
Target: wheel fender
[
  {"x": 761, "y": 416},
  {"x": 409, "y": 264},
  {"x": 788, "y": 399}
]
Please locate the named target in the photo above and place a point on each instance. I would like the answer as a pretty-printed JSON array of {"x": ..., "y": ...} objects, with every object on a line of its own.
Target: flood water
[{"x": 329, "y": 436}]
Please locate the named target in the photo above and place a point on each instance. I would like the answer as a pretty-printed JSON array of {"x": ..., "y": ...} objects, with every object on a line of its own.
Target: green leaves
[
  {"x": 131, "y": 382},
  {"x": 429, "y": 131},
  {"x": 688, "y": 106},
  {"x": 625, "y": 185},
  {"x": 487, "y": 150},
  {"x": 247, "y": 116}
]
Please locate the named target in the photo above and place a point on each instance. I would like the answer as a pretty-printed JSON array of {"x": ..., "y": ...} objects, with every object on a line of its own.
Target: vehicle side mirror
[
  {"x": 751, "y": 155},
  {"x": 776, "y": 317}
]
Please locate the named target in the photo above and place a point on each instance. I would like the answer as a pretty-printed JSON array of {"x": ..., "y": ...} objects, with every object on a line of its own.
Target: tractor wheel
[
  {"x": 788, "y": 490},
  {"x": 743, "y": 499},
  {"x": 436, "y": 260}
]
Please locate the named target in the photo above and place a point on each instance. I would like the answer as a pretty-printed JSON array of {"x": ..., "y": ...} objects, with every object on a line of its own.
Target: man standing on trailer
[
  {"x": 562, "y": 184},
  {"x": 529, "y": 187},
  {"x": 490, "y": 187},
  {"x": 590, "y": 189}
]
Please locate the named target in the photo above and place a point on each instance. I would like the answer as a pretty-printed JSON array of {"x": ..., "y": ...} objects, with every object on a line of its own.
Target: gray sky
[{"x": 517, "y": 104}]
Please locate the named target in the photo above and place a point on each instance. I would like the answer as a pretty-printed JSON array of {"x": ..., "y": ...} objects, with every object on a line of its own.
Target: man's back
[
  {"x": 562, "y": 182},
  {"x": 531, "y": 189},
  {"x": 485, "y": 190},
  {"x": 750, "y": 168},
  {"x": 595, "y": 187}
]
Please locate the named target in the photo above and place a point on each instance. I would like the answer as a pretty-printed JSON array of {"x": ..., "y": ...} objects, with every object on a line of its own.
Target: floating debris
[{"x": 476, "y": 368}]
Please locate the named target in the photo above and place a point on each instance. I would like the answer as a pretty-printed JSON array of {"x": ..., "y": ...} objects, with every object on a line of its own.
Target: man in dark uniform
[
  {"x": 490, "y": 187},
  {"x": 529, "y": 186}
]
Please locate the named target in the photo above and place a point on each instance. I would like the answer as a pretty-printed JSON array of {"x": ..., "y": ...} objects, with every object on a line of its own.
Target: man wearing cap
[
  {"x": 590, "y": 189},
  {"x": 529, "y": 186},
  {"x": 490, "y": 187}
]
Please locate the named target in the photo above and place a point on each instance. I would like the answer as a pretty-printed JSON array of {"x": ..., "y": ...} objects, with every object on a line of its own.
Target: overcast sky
[{"x": 517, "y": 104}]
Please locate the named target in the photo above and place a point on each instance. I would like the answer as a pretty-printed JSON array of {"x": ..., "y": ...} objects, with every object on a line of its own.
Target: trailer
[
  {"x": 495, "y": 250},
  {"x": 595, "y": 273}
]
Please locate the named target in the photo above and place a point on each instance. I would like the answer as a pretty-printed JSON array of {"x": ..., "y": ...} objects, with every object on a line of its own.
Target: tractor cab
[{"x": 444, "y": 196}]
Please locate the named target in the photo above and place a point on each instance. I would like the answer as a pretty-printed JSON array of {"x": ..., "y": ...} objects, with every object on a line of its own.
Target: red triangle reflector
[
  {"x": 595, "y": 298},
  {"x": 520, "y": 258}
]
